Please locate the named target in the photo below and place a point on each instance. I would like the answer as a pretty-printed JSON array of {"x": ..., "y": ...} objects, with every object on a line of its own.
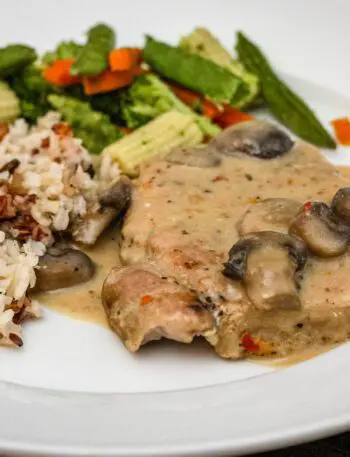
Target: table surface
[{"x": 337, "y": 446}]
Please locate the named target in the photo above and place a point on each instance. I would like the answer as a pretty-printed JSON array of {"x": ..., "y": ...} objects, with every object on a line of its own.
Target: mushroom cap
[
  {"x": 269, "y": 264},
  {"x": 341, "y": 204},
  {"x": 118, "y": 196},
  {"x": 323, "y": 232},
  {"x": 235, "y": 267},
  {"x": 200, "y": 157},
  {"x": 259, "y": 139},
  {"x": 63, "y": 266},
  {"x": 274, "y": 214}
]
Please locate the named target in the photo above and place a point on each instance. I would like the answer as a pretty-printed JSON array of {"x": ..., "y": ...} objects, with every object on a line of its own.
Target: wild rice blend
[{"x": 46, "y": 180}]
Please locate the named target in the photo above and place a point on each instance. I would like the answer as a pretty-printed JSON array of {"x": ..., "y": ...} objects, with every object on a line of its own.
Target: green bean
[
  {"x": 284, "y": 104},
  {"x": 191, "y": 71},
  {"x": 93, "y": 58},
  {"x": 14, "y": 57}
]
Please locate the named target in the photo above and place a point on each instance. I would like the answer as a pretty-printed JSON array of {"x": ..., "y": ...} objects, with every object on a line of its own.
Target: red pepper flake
[
  {"x": 146, "y": 299},
  {"x": 219, "y": 178},
  {"x": 147, "y": 184},
  {"x": 249, "y": 344},
  {"x": 307, "y": 207}
]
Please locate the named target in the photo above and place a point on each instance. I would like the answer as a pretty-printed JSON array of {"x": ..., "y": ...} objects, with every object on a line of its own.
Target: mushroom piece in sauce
[
  {"x": 269, "y": 264},
  {"x": 63, "y": 266},
  {"x": 201, "y": 157},
  {"x": 112, "y": 202},
  {"x": 323, "y": 232},
  {"x": 255, "y": 138},
  {"x": 341, "y": 204},
  {"x": 117, "y": 196},
  {"x": 274, "y": 214}
]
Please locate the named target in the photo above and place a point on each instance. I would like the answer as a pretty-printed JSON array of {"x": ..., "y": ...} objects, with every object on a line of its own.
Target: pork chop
[{"x": 187, "y": 214}]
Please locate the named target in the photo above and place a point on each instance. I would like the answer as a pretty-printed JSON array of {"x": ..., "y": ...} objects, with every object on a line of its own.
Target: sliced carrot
[
  {"x": 342, "y": 130},
  {"x": 138, "y": 70},
  {"x": 59, "y": 73},
  {"x": 124, "y": 59},
  {"x": 185, "y": 95},
  {"x": 195, "y": 101},
  {"x": 231, "y": 116},
  {"x": 107, "y": 81}
]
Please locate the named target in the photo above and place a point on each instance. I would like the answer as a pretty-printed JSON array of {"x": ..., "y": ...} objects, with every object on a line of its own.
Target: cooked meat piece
[
  {"x": 255, "y": 138},
  {"x": 62, "y": 266},
  {"x": 201, "y": 270},
  {"x": 269, "y": 264},
  {"x": 323, "y": 232},
  {"x": 201, "y": 157},
  {"x": 183, "y": 221},
  {"x": 274, "y": 214},
  {"x": 141, "y": 306}
]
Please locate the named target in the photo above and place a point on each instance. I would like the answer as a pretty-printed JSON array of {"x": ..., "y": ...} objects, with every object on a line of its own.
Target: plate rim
[
  {"x": 48, "y": 406},
  {"x": 288, "y": 432}
]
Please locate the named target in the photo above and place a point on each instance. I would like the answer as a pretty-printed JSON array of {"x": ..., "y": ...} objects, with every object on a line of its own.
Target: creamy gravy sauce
[
  {"x": 83, "y": 302},
  {"x": 298, "y": 357},
  {"x": 203, "y": 205}
]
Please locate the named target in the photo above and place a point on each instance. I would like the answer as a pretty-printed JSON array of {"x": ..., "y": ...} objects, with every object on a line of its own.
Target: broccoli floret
[
  {"x": 32, "y": 90},
  {"x": 93, "y": 127},
  {"x": 149, "y": 97}
]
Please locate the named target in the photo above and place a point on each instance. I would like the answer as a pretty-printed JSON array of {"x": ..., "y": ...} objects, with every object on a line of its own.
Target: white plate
[{"x": 73, "y": 389}]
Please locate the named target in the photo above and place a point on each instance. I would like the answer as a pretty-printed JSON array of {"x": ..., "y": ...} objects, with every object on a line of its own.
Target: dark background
[{"x": 338, "y": 446}]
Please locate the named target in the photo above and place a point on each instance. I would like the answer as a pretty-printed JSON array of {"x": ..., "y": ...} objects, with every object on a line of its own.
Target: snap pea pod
[
  {"x": 93, "y": 58},
  {"x": 284, "y": 104},
  {"x": 14, "y": 57},
  {"x": 191, "y": 71}
]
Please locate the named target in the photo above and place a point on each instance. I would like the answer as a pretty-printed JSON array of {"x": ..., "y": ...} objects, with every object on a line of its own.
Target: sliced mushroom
[
  {"x": 201, "y": 157},
  {"x": 62, "y": 266},
  {"x": 270, "y": 265},
  {"x": 255, "y": 138},
  {"x": 324, "y": 234},
  {"x": 341, "y": 204},
  {"x": 87, "y": 229},
  {"x": 113, "y": 202},
  {"x": 274, "y": 214},
  {"x": 118, "y": 196}
]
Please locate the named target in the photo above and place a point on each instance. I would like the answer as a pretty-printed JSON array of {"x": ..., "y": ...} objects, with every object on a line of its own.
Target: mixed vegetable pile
[{"x": 105, "y": 93}]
